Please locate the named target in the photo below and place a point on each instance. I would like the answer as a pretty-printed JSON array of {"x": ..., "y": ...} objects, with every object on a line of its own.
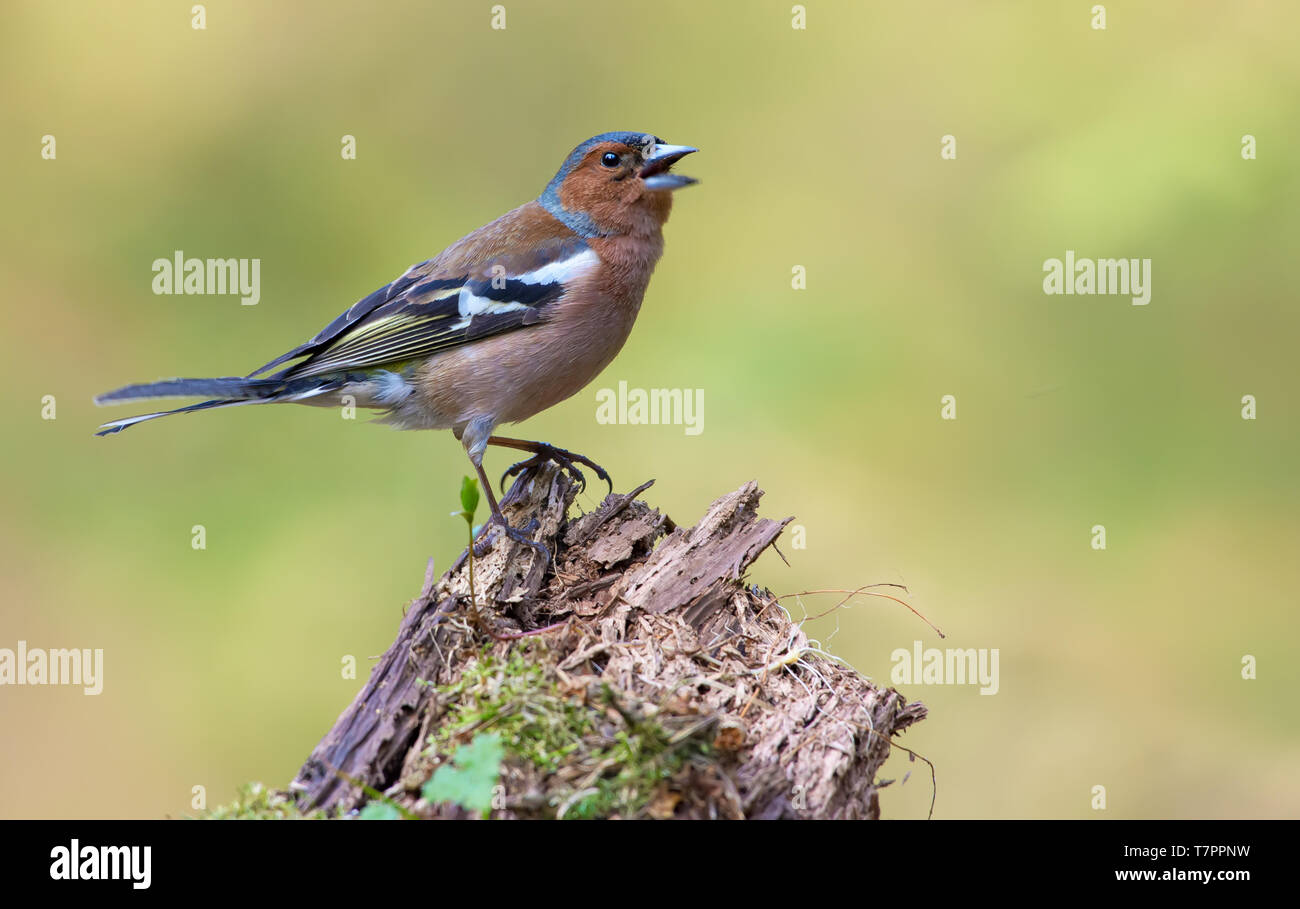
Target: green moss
[
  {"x": 616, "y": 753},
  {"x": 615, "y": 758},
  {"x": 255, "y": 802},
  {"x": 516, "y": 699}
]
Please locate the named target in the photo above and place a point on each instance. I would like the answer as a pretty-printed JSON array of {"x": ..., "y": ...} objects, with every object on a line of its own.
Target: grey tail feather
[
  {"x": 119, "y": 425},
  {"x": 192, "y": 388},
  {"x": 227, "y": 392}
]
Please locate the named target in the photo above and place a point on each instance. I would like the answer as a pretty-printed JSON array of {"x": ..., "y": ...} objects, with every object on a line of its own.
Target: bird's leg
[
  {"x": 474, "y": 436},
  {"x": 542, "y": 452},
  {"x": 519, "y": 536}
]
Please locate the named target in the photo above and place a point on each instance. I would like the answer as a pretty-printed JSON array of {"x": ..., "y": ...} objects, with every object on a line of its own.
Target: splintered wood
[{"x": 636, "y": 621}]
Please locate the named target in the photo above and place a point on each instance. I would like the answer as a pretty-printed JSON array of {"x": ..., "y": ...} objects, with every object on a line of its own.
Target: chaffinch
[{"x": 506, "y": 322}]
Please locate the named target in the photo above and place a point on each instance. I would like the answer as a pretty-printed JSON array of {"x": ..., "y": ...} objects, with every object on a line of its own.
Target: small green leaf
[
  {"x": 471, "y": 777},
  {"x": 469, "y": 498},
  {"x": 380, "y": 811}
]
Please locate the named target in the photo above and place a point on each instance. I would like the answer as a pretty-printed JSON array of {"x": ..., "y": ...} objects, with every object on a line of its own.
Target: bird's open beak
[{"x": 655, "y": 170}]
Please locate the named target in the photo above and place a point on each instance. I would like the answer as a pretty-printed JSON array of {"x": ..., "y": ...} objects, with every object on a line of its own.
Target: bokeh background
[{"x": 820, "y": 148}]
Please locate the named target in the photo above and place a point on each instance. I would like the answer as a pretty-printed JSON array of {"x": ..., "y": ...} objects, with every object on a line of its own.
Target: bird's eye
[{"x": 609, "y": 159}]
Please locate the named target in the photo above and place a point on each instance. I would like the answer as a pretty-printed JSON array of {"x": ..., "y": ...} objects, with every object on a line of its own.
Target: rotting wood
[{"x": 660, "y": 616}]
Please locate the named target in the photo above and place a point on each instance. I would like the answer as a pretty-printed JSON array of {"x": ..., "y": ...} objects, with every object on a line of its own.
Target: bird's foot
[
  {"x": 567, "y": 460},
  {"x": 484, "y": 543}
]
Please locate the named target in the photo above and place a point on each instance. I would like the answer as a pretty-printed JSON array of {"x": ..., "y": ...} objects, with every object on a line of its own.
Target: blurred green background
[{"x": 820, "y": 148}]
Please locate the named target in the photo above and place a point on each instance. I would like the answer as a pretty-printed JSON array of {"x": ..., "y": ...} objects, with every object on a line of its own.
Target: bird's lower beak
[{"x": 655, "y": 170}]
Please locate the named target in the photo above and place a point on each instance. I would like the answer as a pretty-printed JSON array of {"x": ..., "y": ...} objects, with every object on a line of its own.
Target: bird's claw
[{"x": 567, "y": 460}]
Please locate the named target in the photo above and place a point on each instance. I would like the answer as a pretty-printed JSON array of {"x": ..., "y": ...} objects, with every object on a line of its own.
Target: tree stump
[{"x": 634, "y": 675}]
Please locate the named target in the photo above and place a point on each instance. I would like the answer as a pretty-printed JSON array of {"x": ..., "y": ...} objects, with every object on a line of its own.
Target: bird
[{"x": 506, "y": 322}]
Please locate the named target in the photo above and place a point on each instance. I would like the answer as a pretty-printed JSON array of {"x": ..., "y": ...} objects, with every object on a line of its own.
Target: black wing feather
[{"x": 416, "y": 316}]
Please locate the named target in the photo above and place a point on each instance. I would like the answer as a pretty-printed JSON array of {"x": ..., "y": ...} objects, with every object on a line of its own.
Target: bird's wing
[{"x": 444, "y": 303}]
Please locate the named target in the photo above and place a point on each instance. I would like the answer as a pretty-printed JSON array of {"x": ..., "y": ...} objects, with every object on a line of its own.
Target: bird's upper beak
[{"x": 655, "y": 169}]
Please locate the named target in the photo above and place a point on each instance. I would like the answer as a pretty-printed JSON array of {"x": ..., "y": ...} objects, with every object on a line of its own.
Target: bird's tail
[
  {"x": 227, "y": 392},
  {"x": 119, "y": 425},
  {"x": 190, "y": 388}
]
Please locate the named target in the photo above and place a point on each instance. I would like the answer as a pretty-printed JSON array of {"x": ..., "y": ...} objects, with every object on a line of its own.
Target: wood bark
[{"x": 656, "y": 612}]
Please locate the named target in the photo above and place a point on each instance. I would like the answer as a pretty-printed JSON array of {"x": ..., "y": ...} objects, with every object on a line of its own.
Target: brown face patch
[
  {"x": 614, "y": 197},
  {"x": 591, "y": 179}
]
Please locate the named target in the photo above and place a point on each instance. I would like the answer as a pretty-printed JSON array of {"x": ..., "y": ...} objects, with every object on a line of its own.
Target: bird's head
[{"x": 615, "y": 184}]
